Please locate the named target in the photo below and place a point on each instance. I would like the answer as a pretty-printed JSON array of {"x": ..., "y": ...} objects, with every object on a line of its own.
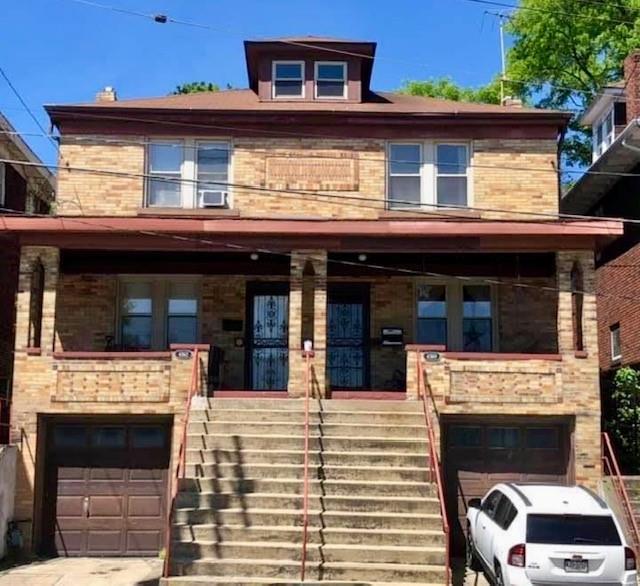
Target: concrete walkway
[{"x": 85, "y": 572}]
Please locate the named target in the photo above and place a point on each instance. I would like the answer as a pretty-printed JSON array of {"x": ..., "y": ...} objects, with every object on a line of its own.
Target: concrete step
[
  {"x": 316, "y": 457},
  {"x": 265, "y": 415},
  {"x": 288, "y": 486},
  {"x": 225, "y": 441},
  {"x": 284, "y": 427},
  {"x": 260, "y": 517},
  {"x": 184, "y": 551},
  {"x": 328, "y": 472},
  {"x": 325, "y": 405},
  {"x": 245, "y": 581},
  {"x": 329, "y": 535},
  {"x": 283, "y": 569},
  {"x": 389, "y": 504}
]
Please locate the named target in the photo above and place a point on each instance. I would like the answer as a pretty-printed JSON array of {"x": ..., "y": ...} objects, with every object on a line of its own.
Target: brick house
[
  {"x": 388, "y": 230},
  {"x": 22, "y": 189}
]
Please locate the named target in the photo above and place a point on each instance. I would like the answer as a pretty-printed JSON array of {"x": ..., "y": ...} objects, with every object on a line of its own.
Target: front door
[
  {"x": 348, "y": 336},
  {"x": 268, "y": 336}
]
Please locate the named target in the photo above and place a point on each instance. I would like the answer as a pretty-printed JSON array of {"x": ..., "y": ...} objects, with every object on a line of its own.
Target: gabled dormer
[
  {"x": 607, "y": 117},
  {"x": 310, "y": 69}
]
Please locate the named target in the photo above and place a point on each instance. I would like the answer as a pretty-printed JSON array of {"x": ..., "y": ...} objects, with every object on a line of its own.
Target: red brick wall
[{"x": 615, "y": 280}]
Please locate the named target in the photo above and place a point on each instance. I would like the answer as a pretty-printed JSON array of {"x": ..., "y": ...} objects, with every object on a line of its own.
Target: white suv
[{"x": 542, "y": 535}]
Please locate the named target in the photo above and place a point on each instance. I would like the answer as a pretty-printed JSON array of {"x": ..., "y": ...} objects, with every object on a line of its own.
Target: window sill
[
  {"x": 188, "y": 212},
  {"x": 127, "y": 355},
  {"x": 33, "y": 351},
  {"x": 428, "y": 213}
]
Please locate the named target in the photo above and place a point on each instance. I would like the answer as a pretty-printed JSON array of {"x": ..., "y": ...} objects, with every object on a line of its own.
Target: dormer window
[
  {"x": 331, "y": 79},
  {"x": 288, "y": 79},
  {"x": 603, "y": 133}
]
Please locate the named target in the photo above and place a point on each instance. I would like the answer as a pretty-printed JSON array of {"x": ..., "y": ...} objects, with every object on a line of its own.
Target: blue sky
[{"x": 58, "y": 51}]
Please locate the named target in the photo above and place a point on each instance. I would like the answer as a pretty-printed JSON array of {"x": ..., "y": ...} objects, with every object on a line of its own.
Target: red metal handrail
[
  {"x": 194, "y": 389},
  {"x": 434, "y": 464},
  {"x": 305, "y": 499},
  {"x": 613, "y": 470}
]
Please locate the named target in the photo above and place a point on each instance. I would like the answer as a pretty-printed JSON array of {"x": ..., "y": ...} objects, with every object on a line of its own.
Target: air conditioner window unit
[{"x": 213, "y": 198}]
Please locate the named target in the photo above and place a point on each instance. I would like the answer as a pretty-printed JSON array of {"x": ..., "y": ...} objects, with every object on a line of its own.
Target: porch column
[
  {"x": 307, "y": 319},
  {"x": 580, "y": 372}
]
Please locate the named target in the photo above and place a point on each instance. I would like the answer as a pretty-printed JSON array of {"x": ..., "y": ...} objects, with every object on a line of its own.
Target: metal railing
[
  {"x": 435, "y": 472},
  {"x": 305, "y": 499},
  {"x": 611, "y": 468},
  {"x": 194, "y": 389}
]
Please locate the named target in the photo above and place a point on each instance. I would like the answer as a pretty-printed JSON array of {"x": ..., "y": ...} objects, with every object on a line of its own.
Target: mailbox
[{"x": 392, "y": 336}]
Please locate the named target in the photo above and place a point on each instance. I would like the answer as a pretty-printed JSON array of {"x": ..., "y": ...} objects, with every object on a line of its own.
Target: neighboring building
[
  {"x": 307, "y": 207},
  {"x": 22, "y": 189},
  {"x": 608, "y": 189}
]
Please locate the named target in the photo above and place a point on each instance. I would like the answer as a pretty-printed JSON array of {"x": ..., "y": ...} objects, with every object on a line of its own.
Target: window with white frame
[
  {"x": 331, "y": 79},
  {"x": 616, "y": 347},
  {"x": 188, "y": 174},
  {"x": 603, "y": 133},
  {"x": 288, "y": 79},
  {"x": 157, "y": 312},
  {"x": 3, "y": 187},
  {"x": 428, "y": 173},
  {"x": 457, "y": 315}
]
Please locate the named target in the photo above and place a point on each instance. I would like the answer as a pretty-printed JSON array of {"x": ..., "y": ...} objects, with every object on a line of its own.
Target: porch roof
[{"x": 151, "y": 233}]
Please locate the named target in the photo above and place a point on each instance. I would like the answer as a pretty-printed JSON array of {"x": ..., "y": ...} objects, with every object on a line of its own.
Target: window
[
  {"x": 155, "y": 313},
  {"x": 572, "y": 530},
  {"x": 405, "y": 182},
  {"x": 331, "y": 79},
  {"x": 491, "y": 503},
  {"x": 603, "y": 134},
  {"x": 288, "y": 79},
  {"x": 504, "y": 438},
  {"x": 616, "y": 348},
  {"x": 543, "y": 438},
  {"x": 505, "y": 514},
  {"x": 188, "y": 174},
  {"x": 428, "y": 173},
  {"x": 461, "y": 436},
  {"x": 3, "y": 188},
  {"x": 432, "y": 314},
  {"x": 458, "y": 316},
  {"x": 477, "y": 320}
]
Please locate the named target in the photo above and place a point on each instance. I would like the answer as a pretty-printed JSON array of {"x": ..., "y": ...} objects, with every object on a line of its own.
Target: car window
[
  {"x": 505, "y": 513},
  {"x": 490, "y": 504},
  {"x": 572, "y": 529}
]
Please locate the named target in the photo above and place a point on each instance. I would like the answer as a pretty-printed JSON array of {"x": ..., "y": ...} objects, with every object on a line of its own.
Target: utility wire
[{"x": 263, "y": 250}]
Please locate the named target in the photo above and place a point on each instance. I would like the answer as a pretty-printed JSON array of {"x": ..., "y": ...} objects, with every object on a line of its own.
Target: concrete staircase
[{"x": 374, "y": 517}]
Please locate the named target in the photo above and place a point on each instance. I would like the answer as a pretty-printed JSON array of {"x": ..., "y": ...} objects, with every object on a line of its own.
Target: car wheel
[
  {"x": 499, "y": 581},
  {"x": 472, "y": 560}
]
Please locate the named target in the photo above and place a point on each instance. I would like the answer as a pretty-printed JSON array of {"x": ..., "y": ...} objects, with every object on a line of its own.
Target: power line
[{"x": 398, "y": 270}]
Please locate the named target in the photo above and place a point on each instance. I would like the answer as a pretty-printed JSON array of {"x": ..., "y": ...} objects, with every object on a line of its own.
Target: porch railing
[
  {"x": 435, "y": 472},
  {"x": 611, "y": 469},
  {"x": 305, "y": 499},
  {"x": 194, "y": 389}
]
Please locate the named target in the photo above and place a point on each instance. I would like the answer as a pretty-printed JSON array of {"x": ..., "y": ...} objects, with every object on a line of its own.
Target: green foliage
[
  {"x": 625, "y": 425},
  {"x": 195, "y": 87},
  {"x": 564, "y": 51},
  {"x": 446, "y": 88}
]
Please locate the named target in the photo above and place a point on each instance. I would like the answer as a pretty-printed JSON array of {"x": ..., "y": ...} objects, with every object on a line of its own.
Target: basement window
[
  {"x": 331, "y": 79},
  {"x": 288, "y": 79}
]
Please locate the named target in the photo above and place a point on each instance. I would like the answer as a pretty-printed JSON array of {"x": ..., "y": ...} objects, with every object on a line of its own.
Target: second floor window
[
  {"x": 331, "y": 79},
  {"x": 603, "y": 134},
  {"x": 288, "y": 79},
  {"x": 428, "y": 173},
  {"x": 188, "y": 174}
]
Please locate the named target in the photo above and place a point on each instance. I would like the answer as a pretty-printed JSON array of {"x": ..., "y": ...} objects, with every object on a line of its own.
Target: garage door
[
  {"x": 109, "y": 484},
  {"x": 479, "y": 453}
]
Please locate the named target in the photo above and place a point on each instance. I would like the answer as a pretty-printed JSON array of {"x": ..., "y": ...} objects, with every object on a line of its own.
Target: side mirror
[{"x": 474, "y": 503}]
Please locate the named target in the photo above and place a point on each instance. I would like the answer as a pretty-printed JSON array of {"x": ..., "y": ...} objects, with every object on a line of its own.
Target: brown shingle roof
[{"x": 246, "y": 100}]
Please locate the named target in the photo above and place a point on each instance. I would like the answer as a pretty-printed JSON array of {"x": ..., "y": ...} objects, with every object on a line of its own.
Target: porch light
[
  {"x": 254, "y": 256},
  {"x": 362, "y": 257},
  {"x": 307, "y": 345}
]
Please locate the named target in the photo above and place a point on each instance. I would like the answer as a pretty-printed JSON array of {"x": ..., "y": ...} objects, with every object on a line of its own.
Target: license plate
[{"x": 576, "y": 566}]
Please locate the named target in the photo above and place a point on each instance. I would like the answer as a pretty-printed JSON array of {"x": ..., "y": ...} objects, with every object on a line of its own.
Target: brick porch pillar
[{"x": 311, "y": 264}]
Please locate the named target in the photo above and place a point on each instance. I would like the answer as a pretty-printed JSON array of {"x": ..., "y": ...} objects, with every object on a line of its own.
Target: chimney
[
  {"x": 108, "y": 94},
  {"x": 511, "y": 101},
  {"x": 632, "y": 84}
]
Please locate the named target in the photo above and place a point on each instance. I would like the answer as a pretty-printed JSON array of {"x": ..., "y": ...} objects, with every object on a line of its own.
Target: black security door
[{"x": 348, "y": 336}]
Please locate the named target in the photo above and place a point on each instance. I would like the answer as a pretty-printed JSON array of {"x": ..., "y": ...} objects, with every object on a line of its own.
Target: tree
[
  {"x": 625, "y": 424},
  {"x": 564, "y": 51},
  {"x": 195, "y": 87},
  {"x": 446, "y": 88}
]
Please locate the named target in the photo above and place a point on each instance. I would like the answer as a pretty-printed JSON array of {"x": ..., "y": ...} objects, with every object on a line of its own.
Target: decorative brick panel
[{"x": 312, "y": 173}]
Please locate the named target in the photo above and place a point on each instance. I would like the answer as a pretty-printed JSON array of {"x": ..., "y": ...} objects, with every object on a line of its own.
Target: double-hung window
[
  {"x": 188, "y": 174},
  {"x": 457, "y": 315},
  {"x": 331, "y": 79},
  {"x": 288, "y": 79},
  {"x": 158, "y": 312},
  {"x": 428, "y": 173}
]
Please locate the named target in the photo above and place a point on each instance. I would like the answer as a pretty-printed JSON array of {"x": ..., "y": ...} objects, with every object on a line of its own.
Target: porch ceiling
[{"x": 340, "y": 235}]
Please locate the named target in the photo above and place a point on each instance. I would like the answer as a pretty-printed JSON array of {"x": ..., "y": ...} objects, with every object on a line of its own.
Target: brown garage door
[
  {"x": 479, "y": 453},
  {"x": 109, "y": 485}
]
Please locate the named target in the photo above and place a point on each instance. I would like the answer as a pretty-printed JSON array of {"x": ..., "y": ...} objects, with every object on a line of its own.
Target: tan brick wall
[{"x": 513, "y": 175}]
